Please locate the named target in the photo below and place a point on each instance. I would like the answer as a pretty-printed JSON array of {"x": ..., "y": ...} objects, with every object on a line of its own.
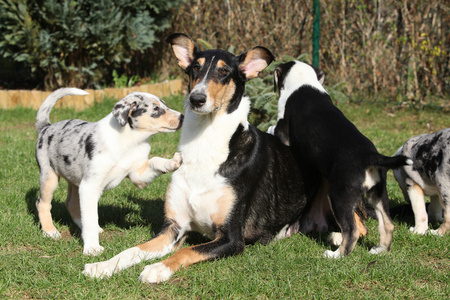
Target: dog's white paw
[
  {"x": 155, "y": 273},
  {"x": 333, "y": 254},
  {"x": 434, "y": 232},
  {"x": 93, "y": 251},
  {"x": 378, "y": 250},
  {"x": 419, "y": 230},
  {"x": 100, "y": 270},
  {"x": 52, "y": 234},
  {"x": 335, "y": 238}
]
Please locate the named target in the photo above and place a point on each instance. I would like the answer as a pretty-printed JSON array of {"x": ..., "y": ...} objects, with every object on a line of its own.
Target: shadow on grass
[{"x": 147, "y": 212}]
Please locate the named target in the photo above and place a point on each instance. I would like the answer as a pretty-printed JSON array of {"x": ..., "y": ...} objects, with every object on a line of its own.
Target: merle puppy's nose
[{"x": 197, "y": 99}]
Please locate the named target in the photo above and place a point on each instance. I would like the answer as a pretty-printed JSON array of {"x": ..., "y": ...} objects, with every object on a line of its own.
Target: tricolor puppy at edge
[
  {"x": 331, "y": 150},
  {"x": 428, "y": 176},
  {"x": 237, "y": 185},
  {"x": 94, "y": 157}
]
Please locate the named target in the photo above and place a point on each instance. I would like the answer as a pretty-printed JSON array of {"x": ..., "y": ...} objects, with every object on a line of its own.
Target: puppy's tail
[
  {"x": 43, "y": 115},
  {"x": 393, "y": 162}
]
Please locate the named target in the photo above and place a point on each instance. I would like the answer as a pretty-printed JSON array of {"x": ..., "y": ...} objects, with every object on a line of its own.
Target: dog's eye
[
  {"x": 156, "y": 108},
  {"x": 223, "y": 71},
  {"x": 196, "y": 68}
]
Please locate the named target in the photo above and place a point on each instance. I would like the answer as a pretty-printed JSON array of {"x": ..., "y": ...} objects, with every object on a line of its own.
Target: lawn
[{"x": 32, "y": 266}]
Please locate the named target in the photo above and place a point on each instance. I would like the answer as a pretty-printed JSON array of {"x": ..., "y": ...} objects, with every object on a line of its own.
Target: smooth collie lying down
[{"x": 237, "y": 185}]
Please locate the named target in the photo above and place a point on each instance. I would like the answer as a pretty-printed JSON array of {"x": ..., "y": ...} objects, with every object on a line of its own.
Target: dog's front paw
[
  {"x": 52, "y": 234},
  {"x": 333, "y": 254},
  {"x": 155, "y": 273},
  {"x": 378, "y": 250},
  {"x": 419, "y": 230},
  {"x": 93, "y": 251},
  {"x": 100, "y": 270}
]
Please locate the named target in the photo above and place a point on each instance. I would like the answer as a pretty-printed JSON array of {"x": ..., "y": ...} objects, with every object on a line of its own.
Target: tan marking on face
[
  {"x": 201, "y": 61},
  {"x": 224, "y": 205},
  {"x": 184, "y": 258},
  {"x": 220, "y": 94},
  {"x": 169, "y": 121},
  {"x": 221, "y": 63},
  {"x": 360, "y": 225}
]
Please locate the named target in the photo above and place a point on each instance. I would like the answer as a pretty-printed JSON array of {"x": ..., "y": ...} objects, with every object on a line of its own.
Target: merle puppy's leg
[
  {"x": 443, "y": 182},
  {"x": 90, "y": 192},
  {"x": 48, "y": 184},
  {"x": 417, "y": 197},
  {"x": 435, "y": 209}
]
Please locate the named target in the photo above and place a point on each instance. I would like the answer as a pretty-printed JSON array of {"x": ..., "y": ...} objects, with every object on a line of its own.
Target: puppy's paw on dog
[
  {"x": 155, "y": 273},
  {"x": 166, "y": 165}
]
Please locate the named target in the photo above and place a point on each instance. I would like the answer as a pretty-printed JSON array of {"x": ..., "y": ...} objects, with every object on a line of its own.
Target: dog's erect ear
[
  {"x": 184, "y": 48},
  {"x": 122, "y": 111},
  {"x": 320, "y": 74},
  {"x": 276, "y": 77},
  {"x": 254, "y": 61}
]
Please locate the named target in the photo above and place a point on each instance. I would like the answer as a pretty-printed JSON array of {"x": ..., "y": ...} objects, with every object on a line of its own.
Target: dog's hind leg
[
  {"x": 378, "y": 198},
  {"x": 417, "y": 198},
  {"x": 435, "y": 209},
  {"x": 445, "y": 201},
  {"x": 340, "y": 202},
  {"x": 48, "y": 184}
]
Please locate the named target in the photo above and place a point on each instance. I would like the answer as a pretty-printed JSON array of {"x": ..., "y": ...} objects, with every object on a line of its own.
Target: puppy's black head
[
  {"x": 216, "y": 77},
  {"x": 298, "y": 69}
]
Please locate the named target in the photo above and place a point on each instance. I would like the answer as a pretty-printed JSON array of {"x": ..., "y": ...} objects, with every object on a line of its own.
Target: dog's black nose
[{"x": 197, "y": 100}]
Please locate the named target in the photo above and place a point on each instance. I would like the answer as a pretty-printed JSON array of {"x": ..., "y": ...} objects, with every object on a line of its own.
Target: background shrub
[
  {"x": 78, "y": 43},
  {"x": 390, "y": 49}
]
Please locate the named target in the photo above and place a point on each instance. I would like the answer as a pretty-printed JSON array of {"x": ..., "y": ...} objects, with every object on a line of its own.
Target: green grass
[{"x": 32, "y": 266}]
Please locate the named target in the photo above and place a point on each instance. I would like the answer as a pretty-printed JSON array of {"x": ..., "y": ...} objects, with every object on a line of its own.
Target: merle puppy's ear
[
  {"x": 254, "y": 61},
  {"x": 122, "y": 110},
  {"x": 183, "y": 48}
]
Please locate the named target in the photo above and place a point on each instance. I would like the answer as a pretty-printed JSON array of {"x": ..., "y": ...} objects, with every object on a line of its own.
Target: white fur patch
[
  {"x": 299, "y": 75},
  {"x": 372, "y": 178}
]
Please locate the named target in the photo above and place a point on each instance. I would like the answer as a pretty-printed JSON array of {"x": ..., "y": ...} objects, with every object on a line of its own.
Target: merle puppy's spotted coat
[
  {"x": 94, "y": 157},
  {"x": 428, "y": 176}
]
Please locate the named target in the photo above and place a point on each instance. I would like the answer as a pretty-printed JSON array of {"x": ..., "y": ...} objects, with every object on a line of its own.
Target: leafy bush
[{"x": 79, "y": 43}]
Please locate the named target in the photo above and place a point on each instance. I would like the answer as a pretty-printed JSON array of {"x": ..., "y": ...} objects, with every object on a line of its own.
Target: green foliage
[
  {"x": 78, "y": 43},
  {"x": 123, "y": 81}
]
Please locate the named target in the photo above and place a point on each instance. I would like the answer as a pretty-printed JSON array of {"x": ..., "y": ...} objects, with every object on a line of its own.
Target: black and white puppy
[
  {"x": 428, "y": 176},
  {"x": 94, "y": 157},
  {"x": 328, "y": 146},
  {"x": 237, "y": 185}
]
